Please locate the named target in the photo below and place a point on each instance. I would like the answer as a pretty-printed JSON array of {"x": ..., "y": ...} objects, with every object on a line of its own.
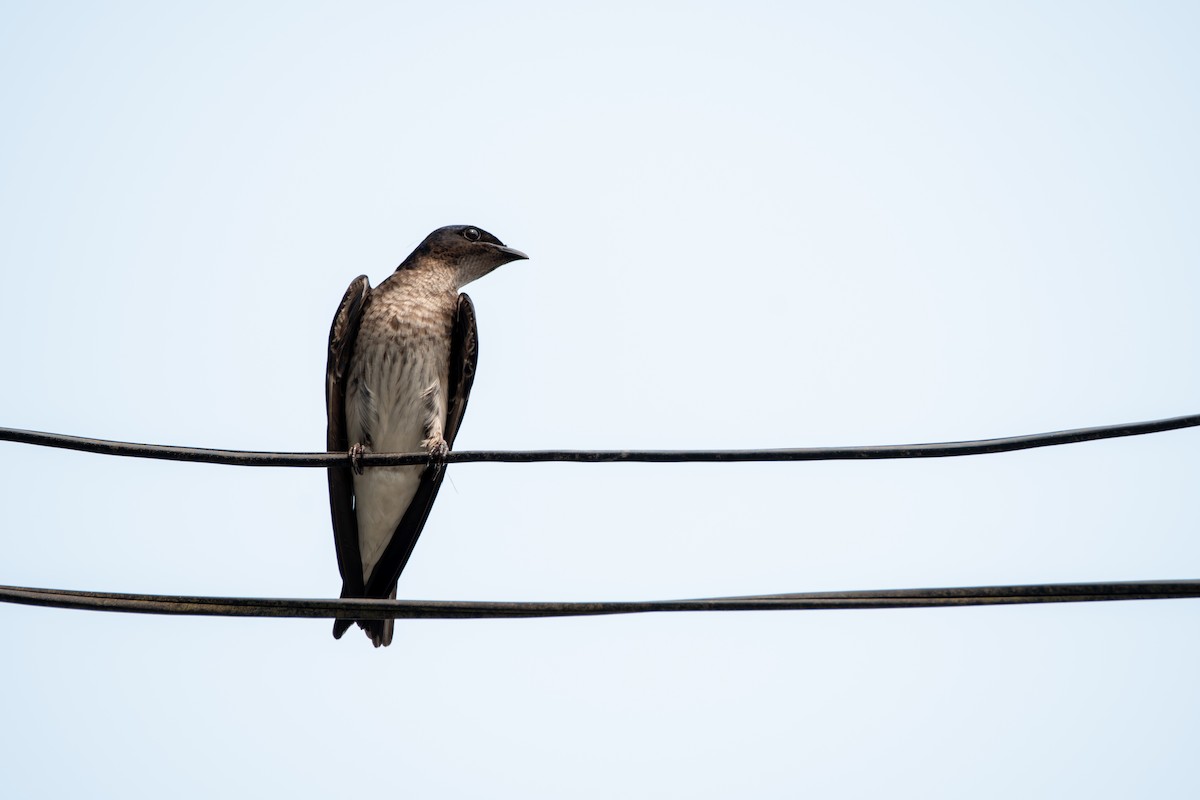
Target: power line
[
  {"x": 378, "y": 609},
  {"x": 450, "y": 609},
  {"x": 250, "y": 458}
]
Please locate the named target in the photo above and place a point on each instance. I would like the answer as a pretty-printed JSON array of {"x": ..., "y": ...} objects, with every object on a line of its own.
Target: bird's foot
[
  {"x": 356, "y": 454},
  {"x": 437, "y": 449}
]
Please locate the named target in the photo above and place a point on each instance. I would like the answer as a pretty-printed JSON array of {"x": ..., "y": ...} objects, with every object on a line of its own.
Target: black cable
[
  {"x": 269, "y": 459},
  {"x": 446, "y": 609}
]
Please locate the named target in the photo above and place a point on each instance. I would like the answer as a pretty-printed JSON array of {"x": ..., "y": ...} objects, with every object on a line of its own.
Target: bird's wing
[
  {"x": 464, "y": 352},
  {"x": 341, "y": 482}
]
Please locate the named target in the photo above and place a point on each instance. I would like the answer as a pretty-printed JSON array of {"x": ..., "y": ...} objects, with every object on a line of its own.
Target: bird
[{"x": 400, "y": 366}]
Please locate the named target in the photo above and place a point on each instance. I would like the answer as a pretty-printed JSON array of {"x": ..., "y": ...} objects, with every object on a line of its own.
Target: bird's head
[{"x": 473, "y": 252}]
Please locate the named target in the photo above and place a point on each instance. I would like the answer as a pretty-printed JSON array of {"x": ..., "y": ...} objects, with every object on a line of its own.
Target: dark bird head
[{"x": 473, "y": 252}]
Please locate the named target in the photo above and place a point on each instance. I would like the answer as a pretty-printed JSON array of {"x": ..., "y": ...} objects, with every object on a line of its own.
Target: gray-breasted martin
[{"x": 401, "y": 362}]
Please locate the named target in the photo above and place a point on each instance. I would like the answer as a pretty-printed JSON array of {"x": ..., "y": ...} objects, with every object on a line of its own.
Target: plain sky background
[{"x": 760, "y": 224}]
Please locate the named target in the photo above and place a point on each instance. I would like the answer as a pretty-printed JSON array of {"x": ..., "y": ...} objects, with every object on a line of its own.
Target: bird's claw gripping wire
[
  {"x": 438, "y": 450},
  {"x": 356, "y": 454}
]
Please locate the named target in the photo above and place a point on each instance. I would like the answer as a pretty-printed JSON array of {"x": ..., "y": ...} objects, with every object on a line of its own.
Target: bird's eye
[{"x": 472, "y": 234}]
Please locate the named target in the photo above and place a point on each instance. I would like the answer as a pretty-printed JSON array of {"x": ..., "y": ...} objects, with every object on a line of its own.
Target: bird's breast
[{"x": 403, "y": 348}]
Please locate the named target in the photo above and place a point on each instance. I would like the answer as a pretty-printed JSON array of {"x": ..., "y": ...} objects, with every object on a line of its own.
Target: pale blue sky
[{"x": 761, "y": 225}]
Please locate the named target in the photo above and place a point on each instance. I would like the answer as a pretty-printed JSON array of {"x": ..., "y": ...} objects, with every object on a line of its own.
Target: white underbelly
[
  {"x": 382, "y": 495},
  {"x": 393, "y": 412}
]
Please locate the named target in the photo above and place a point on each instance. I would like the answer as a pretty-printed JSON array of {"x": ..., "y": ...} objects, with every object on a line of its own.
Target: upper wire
[{"x": 251, "y": 458}]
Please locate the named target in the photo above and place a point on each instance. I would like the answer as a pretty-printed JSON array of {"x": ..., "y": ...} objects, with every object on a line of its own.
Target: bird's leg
[
  {"x": 435, "y": 411},
  {"x": 437, "y": 451},
  {"x": 356, "y": 454}
]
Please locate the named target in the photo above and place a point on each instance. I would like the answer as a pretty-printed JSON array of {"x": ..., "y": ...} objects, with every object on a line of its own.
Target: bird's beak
[{"x": 513, "y": 253}]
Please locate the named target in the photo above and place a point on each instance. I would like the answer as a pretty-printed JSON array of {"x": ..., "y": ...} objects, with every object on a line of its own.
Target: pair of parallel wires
[{"x": 417, "y": 609}]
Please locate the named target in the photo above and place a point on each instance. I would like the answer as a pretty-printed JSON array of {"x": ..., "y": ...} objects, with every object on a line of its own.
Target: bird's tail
[
  {"x": 340, "y": 626},
  {"x": 379, "y": 631}
]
